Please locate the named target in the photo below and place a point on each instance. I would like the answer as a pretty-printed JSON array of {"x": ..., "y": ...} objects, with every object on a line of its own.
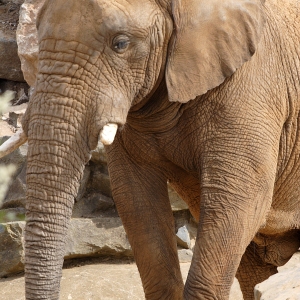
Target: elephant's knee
[{"x": 277, "y": 249}]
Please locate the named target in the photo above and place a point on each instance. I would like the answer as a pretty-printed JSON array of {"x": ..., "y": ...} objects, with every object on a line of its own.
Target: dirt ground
[
  {"x": 96, "y": 279},
  {"x": 105, "y": 279}
]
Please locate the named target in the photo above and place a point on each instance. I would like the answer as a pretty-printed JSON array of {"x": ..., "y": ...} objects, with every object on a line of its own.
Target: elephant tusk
[
  {"x": 14, "y": 142},
  {"x": 108, "y": 133}
]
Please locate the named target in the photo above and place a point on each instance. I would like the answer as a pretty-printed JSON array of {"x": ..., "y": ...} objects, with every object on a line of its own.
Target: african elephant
[{"x": 203, "y": 94}]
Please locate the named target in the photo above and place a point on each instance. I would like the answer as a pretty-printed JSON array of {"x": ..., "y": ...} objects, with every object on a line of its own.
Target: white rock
[
  {"x": 176, "y": 202},
  {"x": 183, "y": 237}
]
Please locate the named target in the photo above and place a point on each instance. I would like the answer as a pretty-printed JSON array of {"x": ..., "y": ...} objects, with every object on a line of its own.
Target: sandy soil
[{"x": 96, "y": 279}]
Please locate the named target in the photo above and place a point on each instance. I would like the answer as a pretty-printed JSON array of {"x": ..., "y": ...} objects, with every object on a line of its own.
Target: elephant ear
[{"x": 211, "y": 39}]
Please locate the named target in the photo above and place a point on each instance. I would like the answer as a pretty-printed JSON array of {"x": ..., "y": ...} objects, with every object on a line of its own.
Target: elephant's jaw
[{"x": 108, "y": 133}]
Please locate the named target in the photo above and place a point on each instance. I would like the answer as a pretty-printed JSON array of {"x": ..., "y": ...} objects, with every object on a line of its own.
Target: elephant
[{"x": 203, "y": 95}]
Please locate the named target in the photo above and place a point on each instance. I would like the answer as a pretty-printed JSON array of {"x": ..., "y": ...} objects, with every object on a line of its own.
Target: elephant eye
[{"x": 120, "y": 43}]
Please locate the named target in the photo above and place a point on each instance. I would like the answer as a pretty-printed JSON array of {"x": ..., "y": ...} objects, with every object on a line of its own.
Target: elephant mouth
[{"x": 108, "y": 133}]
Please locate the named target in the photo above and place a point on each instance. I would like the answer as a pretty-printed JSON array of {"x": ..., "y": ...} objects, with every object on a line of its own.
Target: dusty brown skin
[{"x": 232, "y": 153}]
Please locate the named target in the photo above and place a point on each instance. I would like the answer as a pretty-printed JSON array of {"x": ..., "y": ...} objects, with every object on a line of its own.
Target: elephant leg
[
  {"x": 253, "y": 270},
  {"x": 141, "y": 197},
  {"x": 237, "y": 171}
]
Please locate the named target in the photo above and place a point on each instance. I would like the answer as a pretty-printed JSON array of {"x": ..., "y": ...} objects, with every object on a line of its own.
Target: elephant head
[{"x": 97, "y": 60}]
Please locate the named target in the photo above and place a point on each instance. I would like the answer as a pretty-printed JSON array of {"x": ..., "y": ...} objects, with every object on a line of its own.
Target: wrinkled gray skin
[{"x": 206, "y": 96}]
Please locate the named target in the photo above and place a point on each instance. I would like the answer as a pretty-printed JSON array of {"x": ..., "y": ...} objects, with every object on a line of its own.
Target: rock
[
  {"x": 98, "y": 236},
  {"x": 16, "y": 194},
  {"x": 283, "y": 285},
  {"x": 176, "y": 202},
  {"x": 185, "y": 255},
  {"x": 11, "y": 250},
  {"x": 27, "y": 39},
  {"x": 100, "y": 182},
  {"x": 93, "y": 204},
  {"x": 183, "y": 237},
  {"x": 103, "y": 236},
  {"x": 98, "y": 155},
  {"x": 10, "y": 67},
  {"x": 83, "y": 183}
]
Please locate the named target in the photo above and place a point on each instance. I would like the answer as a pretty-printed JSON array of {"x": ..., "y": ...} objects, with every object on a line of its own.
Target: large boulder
[
  {"x": 104, "y": 236},
  {"x": 10, "y": 67},
  {"x": 27, "y": 39},
  {"x": 11, "y": 250}
]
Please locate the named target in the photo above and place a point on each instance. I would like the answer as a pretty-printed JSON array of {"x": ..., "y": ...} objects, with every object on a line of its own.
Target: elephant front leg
[
  {"x": 227, "y": 224},
  {"x": 141, "y": 197},
  {"x": 236, "y": 189}
]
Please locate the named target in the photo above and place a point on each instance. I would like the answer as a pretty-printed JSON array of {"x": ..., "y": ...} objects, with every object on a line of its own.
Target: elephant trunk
[
  {"x": 57, "y": 153},
  {"x": 63, "y": 122}
]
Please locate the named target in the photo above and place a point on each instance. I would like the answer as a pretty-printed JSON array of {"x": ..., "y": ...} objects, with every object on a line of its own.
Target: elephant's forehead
[
  {"x": 121, "y": 14},
  {"x": 79, "y": 20}
]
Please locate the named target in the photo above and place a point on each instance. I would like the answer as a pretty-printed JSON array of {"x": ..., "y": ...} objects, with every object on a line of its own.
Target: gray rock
[
  {"x": 103, "y": 236},
  {"x": 10, "y": 67},
  {"x": 83, "y": 183},
  {"x": 100, "y": 182},
  {"x": 183, "y": 237},
  {"x": 97, "y": 237},
  {"x": 92, "y": 205},
  {"x": 11, "y": 250},
  {"x": 16, "y": 194}
]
